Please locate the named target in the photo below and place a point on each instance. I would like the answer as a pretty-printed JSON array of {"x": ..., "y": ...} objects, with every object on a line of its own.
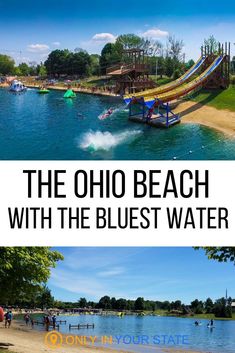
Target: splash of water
[{"x": 98, "y": 140}]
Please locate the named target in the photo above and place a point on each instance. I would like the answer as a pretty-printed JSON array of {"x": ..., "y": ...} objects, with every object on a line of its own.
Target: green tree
[
  {"x": 6, "y": 65},
  {"x": 17, "y": 71},
  {"x": 177, "y": 305},
  {"x": 24, "y": 270},
  {"x": 130, "y": 41},
  {"x": 113, "y": 303},
  {"x": 105, "y": 302},
  {"x": 82, "y": 303},
  {"x": 176, "y": 74},
  {"x": 209, "y": 305},
  {"x": 189, "y": 64},
  {"x": 139, "y": 304},
  {"x": 94, "y": 64},
  {"x": 165, "y": 305},
  {"x": 78, "y": 63},
  {"x": 24, "y": 68},
  {"x": 197, "y": 306},
  {"x": 44, "y": 299},
  {"x": 221, "y": 254},
  {"x": 42, "y": 71},
  {"x": 57, "y": 62},
  {"x": 110, "y": 55},
  {"x": 130, "y": 304},
  {"x": 175, "y": 47},
  {"x": 221, "y": 309},
  {"x": 121, "y": 304},
  {"x": 169, "y": 66},
  {"x": 212, "y": 43}
]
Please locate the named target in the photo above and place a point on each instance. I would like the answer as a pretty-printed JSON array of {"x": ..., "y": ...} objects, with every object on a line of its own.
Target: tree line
[
  {"x": 220, "y": 307},
  {"x": 168, "y": 58},
  {"x": 165, "y": 60}
]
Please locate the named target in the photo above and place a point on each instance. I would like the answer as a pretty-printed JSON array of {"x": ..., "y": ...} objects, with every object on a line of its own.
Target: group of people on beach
[{"x": 47, "y": 321}]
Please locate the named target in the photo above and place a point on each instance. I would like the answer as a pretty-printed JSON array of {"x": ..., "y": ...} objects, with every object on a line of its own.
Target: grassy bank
[
  {"x": 195, "y": 316},
  {"x": 219, "y": 99}
]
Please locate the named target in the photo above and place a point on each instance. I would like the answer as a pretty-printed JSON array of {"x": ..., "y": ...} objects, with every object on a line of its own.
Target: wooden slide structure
[
  {"x": 167, "y": 87},
  {"x": 178, "y": 88}
]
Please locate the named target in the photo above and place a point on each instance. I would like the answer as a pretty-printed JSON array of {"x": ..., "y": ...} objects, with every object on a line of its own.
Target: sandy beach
[
  {"x": 22, "y": 339},
  {"x": 196, "y": 113}
]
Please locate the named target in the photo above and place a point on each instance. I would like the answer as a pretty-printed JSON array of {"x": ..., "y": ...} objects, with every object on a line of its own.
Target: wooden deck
[{"x": 156, "y": 121}]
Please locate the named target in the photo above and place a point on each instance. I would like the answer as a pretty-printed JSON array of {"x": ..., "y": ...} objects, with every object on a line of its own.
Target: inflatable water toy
[
  {"x": 69, "y": 94},
  {"x": 43, "y": 91},
  {"x": 1, "y": 314},
  {"x": 107, "y": 114},
  {"x": 17, "y": 86}
]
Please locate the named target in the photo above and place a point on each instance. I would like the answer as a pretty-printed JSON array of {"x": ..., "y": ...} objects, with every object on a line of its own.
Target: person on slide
[{"x": 107, "y": 114}]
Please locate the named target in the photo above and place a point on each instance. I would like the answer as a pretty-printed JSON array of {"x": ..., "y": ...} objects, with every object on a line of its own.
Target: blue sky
[
  {"x": 154, "y": 273},
  {"x": 30, "y": 29}
]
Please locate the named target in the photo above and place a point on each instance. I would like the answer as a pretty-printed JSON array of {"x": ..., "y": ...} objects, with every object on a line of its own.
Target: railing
[
  {"x": 113, "y": 68},
  {"x": 125, "y": 67},
  {"x": 121, "y": 67}
]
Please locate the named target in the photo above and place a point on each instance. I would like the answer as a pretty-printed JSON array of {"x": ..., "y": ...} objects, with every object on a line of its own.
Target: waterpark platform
[{"x": 157, "y": 120}]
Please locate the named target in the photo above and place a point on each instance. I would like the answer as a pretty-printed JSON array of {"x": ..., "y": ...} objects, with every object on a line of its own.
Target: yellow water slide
[
  {"x": 167, "y": 87},
  {"x": 198, "y": 82}
]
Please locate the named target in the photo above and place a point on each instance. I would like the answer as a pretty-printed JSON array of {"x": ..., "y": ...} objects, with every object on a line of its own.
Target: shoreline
[
  {"x": 190, "y": 112},
  {"x": 22, "y": 339},
  {"x": 77, "y": 90},
  {"x": 196, "y": 113}
]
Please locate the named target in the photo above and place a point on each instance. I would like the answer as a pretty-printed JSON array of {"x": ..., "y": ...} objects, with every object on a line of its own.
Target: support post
[{"x": 167, "y": 114}]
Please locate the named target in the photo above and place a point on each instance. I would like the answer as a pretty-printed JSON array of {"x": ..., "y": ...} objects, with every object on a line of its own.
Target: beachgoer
[
  {"x": 8, "y": 319},
  {"x": 47, "y": 322},
  {"x": 212, "y": 322},
  {"x": 26, "y": 319},
  {"x": 54, "y": 321},
  {"x": 10, "y": 316}
]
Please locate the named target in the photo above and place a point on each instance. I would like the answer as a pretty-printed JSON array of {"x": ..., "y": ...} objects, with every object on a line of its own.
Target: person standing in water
[{"x": 54, "y": 321}]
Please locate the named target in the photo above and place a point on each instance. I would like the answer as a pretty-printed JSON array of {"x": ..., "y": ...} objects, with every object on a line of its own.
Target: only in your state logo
[{"x": 53, "y": 339}]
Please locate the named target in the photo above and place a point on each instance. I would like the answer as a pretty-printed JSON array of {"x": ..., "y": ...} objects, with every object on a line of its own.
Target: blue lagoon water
[
  {"x": 221, "y": 339},
  {"x": 48, "y": 127}
]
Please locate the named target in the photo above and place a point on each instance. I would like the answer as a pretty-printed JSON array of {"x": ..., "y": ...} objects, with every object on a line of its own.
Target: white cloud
[
  {"x": 155, "y": 33},
  {"x": 37, "y": 48},
  {"x": 81, "y": 285},
  {"x": 112, "y": 272},
  {"x": 103, "y": 38},
  {"x": 56, "y": 44}
]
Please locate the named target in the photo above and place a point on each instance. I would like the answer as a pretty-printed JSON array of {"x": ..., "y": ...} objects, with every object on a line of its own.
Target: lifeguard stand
[{"x": 132, "y": 73}]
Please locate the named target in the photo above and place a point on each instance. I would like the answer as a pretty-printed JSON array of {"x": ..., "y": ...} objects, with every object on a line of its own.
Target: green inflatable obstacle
[
  {"x": 43, "y": 91},
  {"x": 69, "y": 94}
]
